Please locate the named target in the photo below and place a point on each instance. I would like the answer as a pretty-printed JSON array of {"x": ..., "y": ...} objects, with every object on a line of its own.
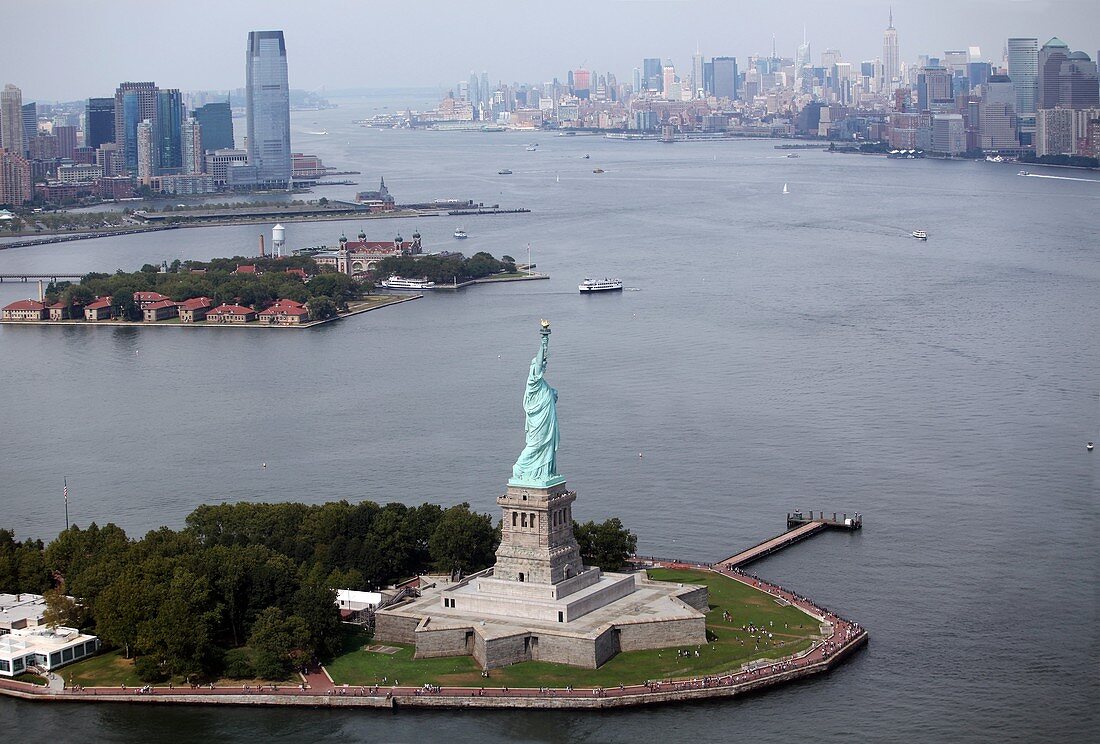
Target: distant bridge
[{"x": 36, "y": 277}]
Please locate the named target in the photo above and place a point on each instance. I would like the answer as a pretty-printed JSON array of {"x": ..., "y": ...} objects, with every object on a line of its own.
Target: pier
[
  {"x": 36, "y": 277},
  {"x": 800, "y": 525}
]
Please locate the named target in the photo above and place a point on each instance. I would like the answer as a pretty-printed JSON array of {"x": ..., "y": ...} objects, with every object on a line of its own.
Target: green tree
[
  {"x": 321, "y": 308},
  {"x": 276, "y": 640},
  {"x": 62, "y": 610},
  {"x": 607, "y": 545},
  {"x": 121, "y": 609},
  {"x": 463, "y": 540}
]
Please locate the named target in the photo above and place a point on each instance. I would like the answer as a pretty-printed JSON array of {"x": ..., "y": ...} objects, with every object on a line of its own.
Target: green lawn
[
  {"x": 728, "y": 649},
  {"x": 105, "y": 670}
]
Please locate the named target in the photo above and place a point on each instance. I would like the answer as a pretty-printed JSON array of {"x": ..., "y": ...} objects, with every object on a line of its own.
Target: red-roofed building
[
  {"x": 285, "y": 312},
  {"x": 195, "y": 309},
  {"x": 231, "y": 314},
  {"x": 59, "y": 311},
  {"x": 25, "y": 310},
  {"x": 247, "y": 269},
  {"x": 159, "y": 311},
  {"x": 99, "y": 310},
  {"x": 300, "y": 273},
  {"x": 145, "y": 299}
]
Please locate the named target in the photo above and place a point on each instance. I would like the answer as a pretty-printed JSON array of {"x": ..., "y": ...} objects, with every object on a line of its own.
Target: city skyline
[{"x": 518, "y": 47}]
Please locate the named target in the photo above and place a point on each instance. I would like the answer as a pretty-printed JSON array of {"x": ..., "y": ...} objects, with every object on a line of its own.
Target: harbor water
[{"x": 770, "y": 352}]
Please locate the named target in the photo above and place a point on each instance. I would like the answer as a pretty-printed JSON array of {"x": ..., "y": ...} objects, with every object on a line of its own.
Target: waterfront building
[
  {"x": 44, "y": 647},
  {"x": 1054, "y": 132},
  {"x": 725, "y": 77},
  {"x": 21, "y": 310},
  {"x": 218, "y": 163},
  {"x": 146, "y": 152},
  {"x": 1051, "y": 56},
  {"x": 100, "y": 309},
  {"x": 195, "y": 309},
  {"x": 997, "y": 125},
  {"x": 891, "y": 57},
  {"x": 11, "y": 120},
  {"x": 357, "y": 257},
  {"x": 168, "y": 131},
  {"x": 380, "y": 198},
  {"x": 539, "y": 602},
  {"x": 99, "y": 122},
  {"x": 267, "y": 108},
  {"x": 216, "y": 120},
  {"x": 115, "y": 187},
  {"x": 948, "y": 134},
  {"x": 191, "y": 147},
  {"x": 284, "y": 312},
  {"x": 134, "y": 103},
  {"x": 161, "y": 310},
  {"x": 145, "y": 299},
  {"x": 231, "y": 314},
  {"x": 184, "y": 184}
]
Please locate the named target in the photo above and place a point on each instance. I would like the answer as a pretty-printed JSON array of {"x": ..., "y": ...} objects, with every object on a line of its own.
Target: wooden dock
[{"x": 800, "y": 525}]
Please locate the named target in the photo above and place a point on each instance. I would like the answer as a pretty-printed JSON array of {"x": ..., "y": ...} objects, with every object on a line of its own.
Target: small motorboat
[
  {"x": 586, "y": 157},
  {"x": 504, "y": 172},
  {"x": 1088, "y": 447},
  {"x": 460, "y": 234},
  {"x": 1024, "y": 173},
  {"x": 793, "y": 155},
  {"x": 597, "y": 170},
  {"x": 919, "y": 234}
]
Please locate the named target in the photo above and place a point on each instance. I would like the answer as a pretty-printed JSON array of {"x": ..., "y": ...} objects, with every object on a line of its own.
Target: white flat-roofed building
[
  {"x": 43, "y": 647},
  {"x": 353, "y": 601},
  {"x": 20, "y": 611}
]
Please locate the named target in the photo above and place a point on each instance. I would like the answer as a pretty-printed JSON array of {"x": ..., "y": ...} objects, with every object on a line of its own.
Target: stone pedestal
[{"x": 537, "y": 544}]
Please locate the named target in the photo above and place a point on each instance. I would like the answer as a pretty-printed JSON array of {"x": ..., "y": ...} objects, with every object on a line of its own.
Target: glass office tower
[{"x": 267, "y": 106}]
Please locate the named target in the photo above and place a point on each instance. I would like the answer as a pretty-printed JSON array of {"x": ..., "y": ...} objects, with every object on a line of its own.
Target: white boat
[
  {"x": 397, "y": 282},
  {"x": 532, "y": 148},
  {"x": 1024, "y": 173},
  {"x": 600, "y": 285},
  {"x": 786, "y": 189},
  {"x": 919, "y": 234},
  {"x": 504, "y": 172},
  {"x": 322, "y": 133},
  {"x": 460, "y": 234}
]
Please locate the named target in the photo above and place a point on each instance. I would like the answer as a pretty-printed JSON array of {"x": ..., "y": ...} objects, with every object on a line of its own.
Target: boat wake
[{"x": 1060, "y": 178}]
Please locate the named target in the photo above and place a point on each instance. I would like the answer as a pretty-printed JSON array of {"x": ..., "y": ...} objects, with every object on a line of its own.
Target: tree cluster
[
  {"x": 330, "y": 292},
  {"x": 243, "y": 589},
  {"x": 443, "y": 269},
  {"x": 607, "y": 545},
  {"x": 1076, "y": 161}
]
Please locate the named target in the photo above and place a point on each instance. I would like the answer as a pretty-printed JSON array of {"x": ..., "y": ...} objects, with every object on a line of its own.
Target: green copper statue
[{"x": 537, "y": 465}]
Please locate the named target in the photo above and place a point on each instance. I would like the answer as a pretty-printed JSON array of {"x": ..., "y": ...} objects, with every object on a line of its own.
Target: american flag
[{"x": 65, "y": 492}]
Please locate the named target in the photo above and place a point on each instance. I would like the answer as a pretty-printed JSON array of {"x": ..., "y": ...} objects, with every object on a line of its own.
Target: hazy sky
[{"x": 75, "y": 49}]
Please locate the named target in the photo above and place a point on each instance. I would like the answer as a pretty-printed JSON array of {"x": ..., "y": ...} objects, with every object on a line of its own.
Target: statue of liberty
[{"x": 538, "y": 463}]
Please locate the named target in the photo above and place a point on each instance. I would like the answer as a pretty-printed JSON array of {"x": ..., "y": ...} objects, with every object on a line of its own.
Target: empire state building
[{"x": 891, "y": 59}]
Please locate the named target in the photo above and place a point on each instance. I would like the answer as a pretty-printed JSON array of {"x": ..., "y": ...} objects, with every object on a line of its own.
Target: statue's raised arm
[{"x": 537, "y": 464}]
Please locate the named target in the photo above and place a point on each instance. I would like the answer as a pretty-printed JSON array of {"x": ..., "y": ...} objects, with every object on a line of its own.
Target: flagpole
[{"x": 65, "y": 493}]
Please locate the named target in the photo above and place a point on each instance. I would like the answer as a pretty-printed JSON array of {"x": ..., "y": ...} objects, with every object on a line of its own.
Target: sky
[{"x": 77, "y": 49}]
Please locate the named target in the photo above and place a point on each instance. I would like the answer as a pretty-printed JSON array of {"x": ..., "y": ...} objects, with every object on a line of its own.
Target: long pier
[
  {"x": 800, "y": 525},
  {"x": 36, "y": 277}
]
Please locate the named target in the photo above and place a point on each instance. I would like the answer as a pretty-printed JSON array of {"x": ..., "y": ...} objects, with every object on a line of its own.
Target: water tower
[{"x": 278, "y": 239}]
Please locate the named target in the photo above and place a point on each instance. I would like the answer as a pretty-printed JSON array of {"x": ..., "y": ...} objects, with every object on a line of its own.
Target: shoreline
[
  {"x": 397, "y": 300},
  {"x": 847, "y": 638}
]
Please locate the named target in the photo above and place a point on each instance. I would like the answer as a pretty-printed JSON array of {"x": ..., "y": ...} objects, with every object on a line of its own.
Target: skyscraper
[
  {"x": 267, "y": 107},
  {"x": 1023, "y": 68},
  {"x": 891, "y": 57},
  {"x": 99, "y": 122},
  {"x": 696, "y": 74},
  {"x": 637, "y": 81},
  {"x": 134, "y": 103},
  {"x": 582, "y": 81},
  {"x": 66, "y": 141},
  {"x": 15, "y": 178},
  {"x": 30, "y": 122},
  {"x": 217, "y": 125},
  {"x": 725, "y": 77},
  {"x": 651, "y": 74},
  {"x": 168, "y": 125},
  {"x": 11, "y": 120},
  {"x": 1051, "y": 56},
  {"x": 146, "y": 144},
  {"x": 192, "y": 147},
  {"x": 1078, "y": 82},
  {"x": 997, "y": 114},
  {"x": 668, "y": 77}
]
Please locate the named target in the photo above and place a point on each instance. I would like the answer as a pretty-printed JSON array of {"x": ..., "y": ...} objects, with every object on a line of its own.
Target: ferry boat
[
  {"x": 460, "y": 234},
  {"x": 396, "y": 282},
  {"x": 504, "y": 172},
  {"x": 919, "y": 234},
  {"x": 600, "y": 285}
]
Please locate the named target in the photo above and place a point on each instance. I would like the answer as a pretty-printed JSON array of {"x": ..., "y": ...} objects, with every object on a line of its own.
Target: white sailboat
[{"x": 786, "y": 189}]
